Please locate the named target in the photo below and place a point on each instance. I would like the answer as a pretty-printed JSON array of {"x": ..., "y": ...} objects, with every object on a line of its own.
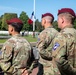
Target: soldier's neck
[
  {"x": 48, "y": 25},
  {"x": 15, "y": 33}
]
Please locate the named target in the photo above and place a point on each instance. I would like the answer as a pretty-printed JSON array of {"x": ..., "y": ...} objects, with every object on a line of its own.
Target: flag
[
  {"x": 30, "y": 20},
  {"x": 32, "y": 15}
]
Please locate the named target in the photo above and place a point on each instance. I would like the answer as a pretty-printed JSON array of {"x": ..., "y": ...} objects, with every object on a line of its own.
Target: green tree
[
  {"x": 7, "y": 16},
  {"x": 24, "y": 17},
  {"x": 75, "y": 24},
  {"x": 55, "y": 25},
  {"x": 1, "y": 22},
  {"x": 38, "y": 26}
]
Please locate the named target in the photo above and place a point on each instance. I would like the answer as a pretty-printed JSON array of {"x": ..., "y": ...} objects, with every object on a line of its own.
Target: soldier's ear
[
  {"x": 12, "y": 29},
  {"x": 44, "y": 21},
  {"x": 62, "y": 20}
]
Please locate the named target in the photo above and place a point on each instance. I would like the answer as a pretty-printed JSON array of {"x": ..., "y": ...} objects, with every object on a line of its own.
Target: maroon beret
[
  {"x": 69, "y": 10},
  {"x": 47, "y": 14},
  {"x": 15, "y": 20}
]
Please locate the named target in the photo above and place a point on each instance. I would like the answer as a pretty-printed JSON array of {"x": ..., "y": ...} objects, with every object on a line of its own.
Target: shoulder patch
[
  {"x": 56, "y": 45},
  {"x": 38, "y": 39}
]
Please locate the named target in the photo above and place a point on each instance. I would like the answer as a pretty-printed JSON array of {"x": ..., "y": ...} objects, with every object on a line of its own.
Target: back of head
[
  {"x": 16, "y": 23},
  {"x": 48, "y": 16},
  {"x": 68, "y": 13}
]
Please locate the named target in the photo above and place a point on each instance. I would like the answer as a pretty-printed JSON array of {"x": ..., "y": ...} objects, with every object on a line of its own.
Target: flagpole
[{"x": 34, "y": 20}]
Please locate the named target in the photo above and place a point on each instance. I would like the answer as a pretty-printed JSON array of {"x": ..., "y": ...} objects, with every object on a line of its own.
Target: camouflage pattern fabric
[
  {"x": 15, "y": 55},
  {"x": 63, "y": 50},
  {"x": 44, "y": 40}
]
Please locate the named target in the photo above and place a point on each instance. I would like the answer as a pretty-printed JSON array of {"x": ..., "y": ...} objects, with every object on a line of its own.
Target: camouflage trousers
[
  {"x": 48, "y": 70},
  {"x": 18, "y": 72}
]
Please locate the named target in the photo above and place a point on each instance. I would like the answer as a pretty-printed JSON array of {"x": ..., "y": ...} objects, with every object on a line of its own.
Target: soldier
[
  {"x": 15, "y": 54},
  {"x": 63, "y": 47},
  {"x": 44, "y": 39}
]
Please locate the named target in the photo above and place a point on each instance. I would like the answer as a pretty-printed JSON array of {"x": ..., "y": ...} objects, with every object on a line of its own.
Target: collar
[
  {"x": 16, "y": 35},
  {"x": 50, "y": 27},
  {"x": 68, "y": 26}
]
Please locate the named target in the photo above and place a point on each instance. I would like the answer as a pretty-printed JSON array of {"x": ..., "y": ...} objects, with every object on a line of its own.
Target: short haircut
[
  {"x": 68, "y": 17},
  {"x": 17, "y": 26},
  {"x": 49, "y": 19}
]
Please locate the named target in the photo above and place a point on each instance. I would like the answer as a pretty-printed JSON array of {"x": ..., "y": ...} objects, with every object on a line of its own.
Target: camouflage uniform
[
  {"x": 44, "y": 39},
  {"x": 15, "y": 55},
  {"x": 64, "y": 51}
]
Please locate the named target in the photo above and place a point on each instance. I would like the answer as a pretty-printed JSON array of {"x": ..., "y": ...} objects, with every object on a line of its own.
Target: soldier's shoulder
[
  {"x": 60, "y": 36},
  {"x": 49, "y": 31},
  {"x": 67, "y": 37},
  {"x": 10, "y": 41},
  {"x": 23, "y": 41},
  {"x": 69, "y": 30},
  {"x": 53, "y": 29},
  {"x": 8, "y": 44},
  {"x": 43, "y": 33}
]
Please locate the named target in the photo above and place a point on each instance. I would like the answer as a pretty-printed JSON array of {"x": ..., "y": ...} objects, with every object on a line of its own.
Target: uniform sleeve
[
  {"x": 47, "y": 53},
  {"x": 5, "y": 56},
  {"x": 43, "y": 40},
  {"x": 60, "y": 53},
  {"x": 43, "y": 43}
]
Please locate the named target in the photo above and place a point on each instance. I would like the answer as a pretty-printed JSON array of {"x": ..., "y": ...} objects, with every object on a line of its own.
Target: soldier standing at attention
[
  {"x": 64, "y": 50},
  {"x": 16, "y": 52},
  {"x": 63, "y": 47},
  {"x": 44, "y": 40}
]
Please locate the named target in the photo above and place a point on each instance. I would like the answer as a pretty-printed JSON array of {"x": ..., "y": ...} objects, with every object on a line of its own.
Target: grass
[
  {"x": 29, "y": 38},
  {"x": 2, "y": 40}
]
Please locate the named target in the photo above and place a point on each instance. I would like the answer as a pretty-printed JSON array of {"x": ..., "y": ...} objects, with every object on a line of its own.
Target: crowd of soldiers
[{"x": 57, "y": 55}]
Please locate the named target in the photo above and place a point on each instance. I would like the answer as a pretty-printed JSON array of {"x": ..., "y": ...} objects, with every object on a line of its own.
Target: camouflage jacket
[
  {"x": 63, "y": 50},
  {"x": 15, "y": 55},
  {"x": 44, "y": 40}
]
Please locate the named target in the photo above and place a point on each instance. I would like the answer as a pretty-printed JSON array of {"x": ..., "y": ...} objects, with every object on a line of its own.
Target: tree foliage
[
  {"x": 38, "y": 26},
  {"x": 75, "y": 24},
  {"x": 24, "y": 17},
  {"x": 55, "y": 25},
  {"x": 7, "y": 16},
  {"x": 1, "y": 22}
]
